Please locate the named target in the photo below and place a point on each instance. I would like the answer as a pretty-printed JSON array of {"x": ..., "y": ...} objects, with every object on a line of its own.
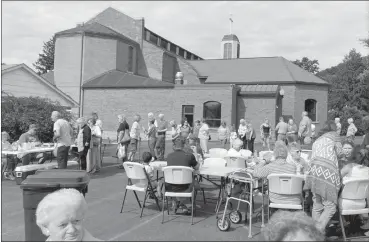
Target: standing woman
[
  {"x": 351, "y": 130},
  {"x": 176, "y": 130},
  {"x": 122, "y": 129},
  {"x": 151, "y": 135},
  {"x": 83, "y": 141},
  {"x": 195, "y": 130},
  {"x": 250, "y": 137},
  {"x": 93, "y": 161},
  {"x": 204, "y": 136},
  {"x": 265, "y": 133},
  {"x": 291, "y": 131},
  {"x": 223, "y": 134},
  {"x": 135, "y": 137},
  {"x": 185, "y": 129},
  {"x": 161, "y": 134},
  {"x": 242, "y": 133},
  {"x": 323, "y": 178}
]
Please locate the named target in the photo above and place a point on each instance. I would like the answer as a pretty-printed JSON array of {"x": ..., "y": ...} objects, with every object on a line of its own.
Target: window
[
  {"x": 147, "y": 34},
  {"x": 238, "y": 50},
  {"x": 181, "y": 52},
  {"x": 188, "y": 113},
  {"x": 153, "y": 38},
  {"x": 130, "y": 59},
  {"x": 173, "y": 48},
  {"x": 310, "y": 108},
  {"x": 188, "y": 55},
  {"x": 227, "y": 51},
  {"x": 164, "y": 43},
  {"x": 212, "y": 113},
  {"x": 169, "y": 68}
]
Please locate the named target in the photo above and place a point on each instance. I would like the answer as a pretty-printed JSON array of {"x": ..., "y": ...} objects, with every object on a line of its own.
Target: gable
[{"x": 21, "y": 83}]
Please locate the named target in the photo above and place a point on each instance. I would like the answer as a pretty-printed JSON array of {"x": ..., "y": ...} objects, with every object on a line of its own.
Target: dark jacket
[{"x": 86, "y": 135}]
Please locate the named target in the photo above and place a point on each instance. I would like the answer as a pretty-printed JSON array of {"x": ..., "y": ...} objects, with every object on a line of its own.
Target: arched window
[
  {"x": 130, "y": 59},
  {"x": 310, "y": 107},
  {"x": 213, "y": 113},
  {"x": 227, "y": 51}
]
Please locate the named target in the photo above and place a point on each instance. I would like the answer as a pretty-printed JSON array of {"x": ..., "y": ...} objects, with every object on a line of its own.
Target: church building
[{"x": 112, "y": 64}]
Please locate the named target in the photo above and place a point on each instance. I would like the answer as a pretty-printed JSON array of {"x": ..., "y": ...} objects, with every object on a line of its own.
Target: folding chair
[
  {"x": 136, "y": 171},
  {"x": 179, "y": 175},
  {"x": 355, "y": 189},
  {"x": 285, "y": 184},
  {"x": 217, "y": 152}
]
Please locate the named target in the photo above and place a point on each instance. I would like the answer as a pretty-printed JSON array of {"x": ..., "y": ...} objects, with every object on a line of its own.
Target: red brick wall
[{"x": 111, "y": 102}]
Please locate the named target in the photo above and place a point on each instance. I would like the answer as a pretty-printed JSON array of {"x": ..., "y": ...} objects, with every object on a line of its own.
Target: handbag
[
  {"x": 126, "y": 138},
  {"x": 121, "y": 151}
]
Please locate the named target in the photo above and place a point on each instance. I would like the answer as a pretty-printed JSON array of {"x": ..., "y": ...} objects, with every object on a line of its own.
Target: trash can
[{"x": 36, "y": 187}]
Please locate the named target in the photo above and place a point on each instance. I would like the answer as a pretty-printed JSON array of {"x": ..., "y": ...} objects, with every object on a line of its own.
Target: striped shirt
[{"x": 279, "y": 166}]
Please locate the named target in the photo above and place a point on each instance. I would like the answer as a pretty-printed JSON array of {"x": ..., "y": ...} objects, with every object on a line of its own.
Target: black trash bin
[{"x": 43, "y": 182}]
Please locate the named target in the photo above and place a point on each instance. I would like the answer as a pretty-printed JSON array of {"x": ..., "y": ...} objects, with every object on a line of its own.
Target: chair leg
[
  {"x": 138, "y": 200},
  {"x": 268, "y": 212},
  {"x": 193, "y": 202},
  {"x": 342, "y": 227},
  {"x": 167, "y": 206},
  {"x": 125, "y": 193},
  {"x": 162, "y": 220},
  {"x": 143, "y": 205}
]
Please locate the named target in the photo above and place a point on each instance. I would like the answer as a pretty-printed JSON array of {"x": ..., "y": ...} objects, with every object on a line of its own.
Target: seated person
[
  {"x": 180, "y": 158},
  {"x": 7, "y": 161},
  {"x": 31, "y": 137},
  {"x": 60, "y": 216},
  {"x": 236, "y": 148},
  {"x": 347, "y": 156},
  {"x": 147, "y": 158},
  {"x": 279, "y": 166},
  {"x": 294, "y": 157},
  {"x": 193, "y": 147}
]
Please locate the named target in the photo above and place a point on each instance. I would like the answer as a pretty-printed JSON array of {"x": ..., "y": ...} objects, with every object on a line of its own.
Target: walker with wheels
[{"x": 248, "y": 183}]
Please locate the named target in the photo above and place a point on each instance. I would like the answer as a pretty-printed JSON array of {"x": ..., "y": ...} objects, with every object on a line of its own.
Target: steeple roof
[{"x": 230, "y": 37}]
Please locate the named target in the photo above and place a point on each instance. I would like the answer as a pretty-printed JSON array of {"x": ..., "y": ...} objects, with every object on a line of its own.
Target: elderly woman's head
[
  {"x": 350, "y": 120},
  {"x": 280, "y": 150},
  {"x": 60, "y": 215},
  {"x": 173, "y": 123},
  {"x": 295, "y": 150},
  {"x": 121, "y": 118},
  {"x": 237, "y": 144},
  {"x": 242, "y": 121},
  {"x": 347, "y": 148},
  {"x": 291, "y": 226},
  {"x": 81, "y": 122}
]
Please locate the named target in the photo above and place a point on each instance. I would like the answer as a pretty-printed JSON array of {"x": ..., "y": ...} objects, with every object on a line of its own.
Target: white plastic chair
[
  {"x": 353, "y": 189},
  {"x": 237, "y": 162},
  {"x": 136, "y": 172},
  {"x": 285, "y": 184},
  {"x": 179, "y": 175},
  {"x": 217, "y": 152}
]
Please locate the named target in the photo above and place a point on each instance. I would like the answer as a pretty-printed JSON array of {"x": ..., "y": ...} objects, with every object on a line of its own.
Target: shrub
[
  {"x": 346, "y": 113},
  {"x": 19, "y": 112}
]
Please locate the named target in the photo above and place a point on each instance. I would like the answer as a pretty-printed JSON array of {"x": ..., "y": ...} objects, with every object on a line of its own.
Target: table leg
[{"x": 262, "y": 204}]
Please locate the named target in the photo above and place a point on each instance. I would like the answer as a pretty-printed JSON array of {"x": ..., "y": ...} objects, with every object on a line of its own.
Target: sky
[{"x": 321, "y": 30}]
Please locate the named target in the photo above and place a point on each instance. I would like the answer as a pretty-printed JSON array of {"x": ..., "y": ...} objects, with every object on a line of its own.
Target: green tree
[
  {"x": 307, "y": 64},
  {"x": 17, "y": 113},
  {"x": 45, "y": 61}
]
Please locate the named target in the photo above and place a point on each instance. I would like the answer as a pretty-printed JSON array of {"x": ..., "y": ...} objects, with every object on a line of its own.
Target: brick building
[{"x": 112, "y": 64}]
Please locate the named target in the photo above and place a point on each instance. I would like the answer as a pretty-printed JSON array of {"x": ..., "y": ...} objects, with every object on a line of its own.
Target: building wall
[
  {"x": 123, "y": 56},
  {"x": 67, "y": 65},
  {"x": 121, "y": 23},
  {"x": 100, "y": 56},
  {"x": 152, "y": 61},
  {"x": 21, "y": 83},
  {"x": 320, "y": 94},
  {"x": 255, "y": 110},
  {"x": 288, "y": 101},
  {"x": 111, "y": 102}
]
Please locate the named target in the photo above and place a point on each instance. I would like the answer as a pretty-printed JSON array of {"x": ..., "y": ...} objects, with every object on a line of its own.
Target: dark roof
[
  {"x": 262, "y": 70},
  {"x": 94, "y": 28},
  {"x": 49, "y": 76},
  {"x": 120, "y": 79},
  {"x": 4, "y": 67},
  {"x": 230, "y": 37},
  {"x": 258, "y": 88}
]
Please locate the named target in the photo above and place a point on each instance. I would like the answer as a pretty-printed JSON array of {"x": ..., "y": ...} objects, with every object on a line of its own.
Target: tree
[
  {"x": 17, "y": 113},
  {"x": 45, "y": 61},
  {"x": 307, "y": 64}
]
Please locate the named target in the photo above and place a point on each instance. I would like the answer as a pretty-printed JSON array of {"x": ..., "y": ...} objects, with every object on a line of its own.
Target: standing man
[
  {"x": 160, "y": 142},
  {"x": 63, "y": 134},
  {"x": 281, "y": 129},
  {"x": 135, "y": 137},
  {"x": 304, "y": 127},
  {"x": 339, "y": 126}
]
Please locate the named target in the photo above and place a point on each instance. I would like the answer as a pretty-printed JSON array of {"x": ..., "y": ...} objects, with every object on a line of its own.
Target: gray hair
[
  {"x": 56, "y": 114},
  {"x": 172, "y": 123},
  {"x": 161, "y": 115},
  {"x": 305, "y": 113},
  {"x": 150, "y": 114},
  {"x": 350, "y": 120},
  {"x": 70, "y": 198},
  {"x": 280, "y": 151},
  {"x": 237, "y": 144},
  {"x": 284, "y": 224},
  {"x": 81, "y": 120},
  {"x": 337, "y": 119},
  {"x": 122, "y": 116}
]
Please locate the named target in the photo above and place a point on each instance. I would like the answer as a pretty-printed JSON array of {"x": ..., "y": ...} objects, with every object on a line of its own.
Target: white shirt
[
  {"x": 96, "y": 130},
  {"x": 135, "y": 130},
  {"x": 65, "y": 131},
  {"x": 204, "y": 132},
  {"x": 100, "y": 124},
  {"x": 242, "y": 129}
]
